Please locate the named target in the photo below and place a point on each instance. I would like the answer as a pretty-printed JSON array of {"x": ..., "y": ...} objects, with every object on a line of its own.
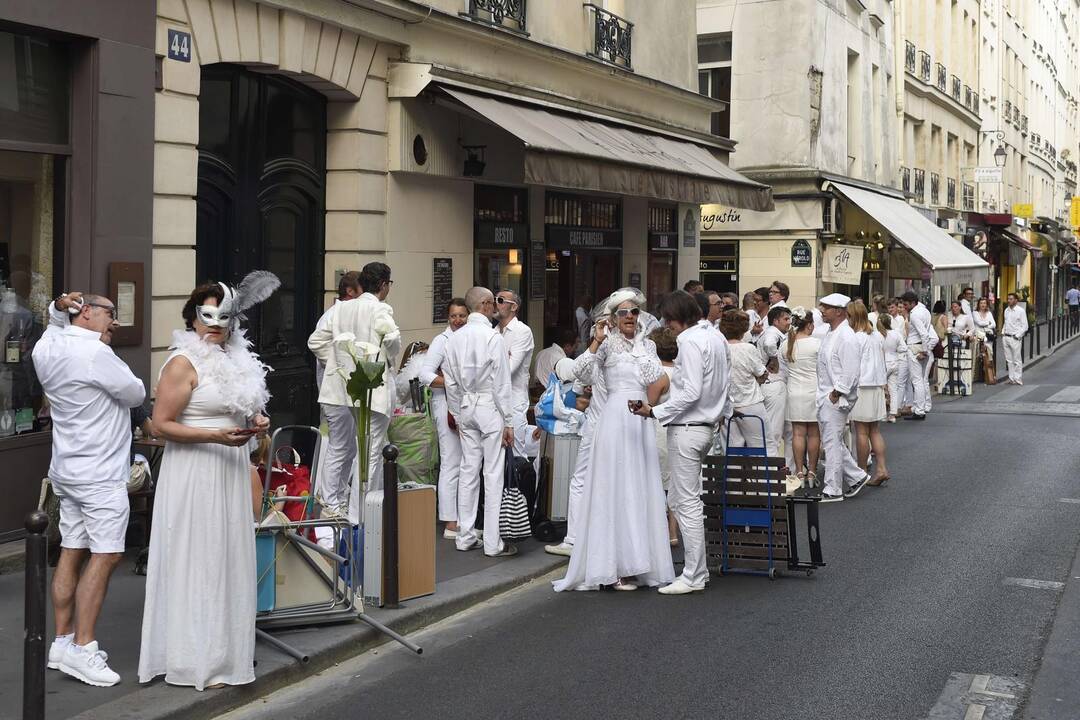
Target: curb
[{"x": 159, "y": 701}]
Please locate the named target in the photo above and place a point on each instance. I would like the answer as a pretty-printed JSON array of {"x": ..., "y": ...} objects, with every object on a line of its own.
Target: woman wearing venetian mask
[{"x": 199, "y": 615}]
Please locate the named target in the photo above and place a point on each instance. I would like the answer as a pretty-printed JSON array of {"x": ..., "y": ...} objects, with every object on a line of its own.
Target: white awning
[
  {"x": 573, "y": 151},
  {"x": 951, "y": 262}
]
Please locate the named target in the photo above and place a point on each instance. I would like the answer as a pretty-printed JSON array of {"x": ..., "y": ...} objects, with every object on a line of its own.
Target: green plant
[{"x": 367, "y": 374}]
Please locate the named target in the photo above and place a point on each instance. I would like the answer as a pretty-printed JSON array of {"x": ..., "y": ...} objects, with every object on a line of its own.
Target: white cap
[
  {"x": 835, "y": 300},
  {"x": 564, "y": 370}
]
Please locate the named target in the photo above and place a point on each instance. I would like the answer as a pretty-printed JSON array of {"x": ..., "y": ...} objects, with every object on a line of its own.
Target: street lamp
[{"x": 1000, "y": 155}]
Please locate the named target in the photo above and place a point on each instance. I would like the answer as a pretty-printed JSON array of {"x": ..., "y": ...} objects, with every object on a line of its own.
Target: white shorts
[{"x": 93, "y": 515}]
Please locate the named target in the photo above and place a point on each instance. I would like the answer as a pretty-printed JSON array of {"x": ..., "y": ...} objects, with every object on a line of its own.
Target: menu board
[
  {"x": 537, "y": 271},
  {"x": 442, "y": 289}
]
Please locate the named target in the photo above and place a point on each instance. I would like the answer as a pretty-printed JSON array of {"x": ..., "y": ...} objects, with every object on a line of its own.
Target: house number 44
[{"x": 179, "y": 46}]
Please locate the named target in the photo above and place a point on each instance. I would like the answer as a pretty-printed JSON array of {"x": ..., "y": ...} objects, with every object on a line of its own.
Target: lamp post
[{"x": 1001, "y": 156}]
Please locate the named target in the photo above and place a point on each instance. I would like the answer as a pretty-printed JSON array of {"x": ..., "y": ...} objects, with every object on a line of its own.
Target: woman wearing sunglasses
[{"x": 622, "y": 538}]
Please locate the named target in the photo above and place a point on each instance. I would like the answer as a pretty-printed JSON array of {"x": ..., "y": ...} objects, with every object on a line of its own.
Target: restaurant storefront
[{"x": 76, "y": 178}]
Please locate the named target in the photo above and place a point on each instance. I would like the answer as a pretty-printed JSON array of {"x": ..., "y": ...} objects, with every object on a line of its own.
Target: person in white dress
[
  {"x": 799, "y": 364},
  {"x": 903, "y": 366},
  {"x": 622, "y": 540},
  {"x": 198, "y": 624},
  {"x": 985, "y": 325},
  {"x": 667, "y": 349},
  {"x": 895, "y": 350},
  {"x": 870, "y": 405},
  {"x": 748, "y": 373},
  {"x": 449, "y": 442},
  {"x": 961, "y": 327}
]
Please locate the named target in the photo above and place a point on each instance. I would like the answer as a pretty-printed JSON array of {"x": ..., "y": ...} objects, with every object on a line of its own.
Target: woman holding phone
[
  {"x": 199, "y": 614},
  {"x": 622, "y": 537}
]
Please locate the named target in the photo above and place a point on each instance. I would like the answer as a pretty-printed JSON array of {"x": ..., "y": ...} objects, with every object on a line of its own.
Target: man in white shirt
[
  {"x": 778, "y": 294},
  {"x": 1072, "y": 299},
  {"x": 967, "y": 301},
  {"x": 348, "y": 288},
  {"x": 91, "y": 392},
  {"x": 699, "y": 388},
  {"x": 921, "y": 340},
  {"x": 566, "y": 341},
  {"x": 519, "y": 342},
  {"x": 369, "y": 320},
  {"x": 839, "y": 363},
  {"x": 769, "y": 344},
  {"x": 1013, "y": 328},
  {"x": 476, "y": 373},
  {"x": 583, "y": 318}
]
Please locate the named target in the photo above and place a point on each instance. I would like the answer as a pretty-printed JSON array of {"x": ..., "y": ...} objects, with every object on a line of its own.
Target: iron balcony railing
[
  {"x": 924, "y": 66},
  {"x": 611, "y": 37},
  {"x": 1023, "y": 123},
  {"x": 969, "y": 197},
  {"x": 1016, "y": 115},
  {"x": 967, "y": 97},
  {"x": 956, "y": 94},
  {"x": 950, "y": 192},
  {"x": 942, "y": 77},
  {"x": 975, "y": 102},
  {"x": 935, "y": 188},
  {"x": 1008, "y": 110},
  {"x": 909, "y": 56},
  {"x": 920, "y": 185},
  {"x": 509, "y": 14},
  {"x": 905, "y": 179}
]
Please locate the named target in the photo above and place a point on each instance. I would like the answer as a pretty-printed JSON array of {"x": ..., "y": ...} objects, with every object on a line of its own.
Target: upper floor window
[
  {"x": 714, "y": 78},
  {"x": 509, "y": 14}
]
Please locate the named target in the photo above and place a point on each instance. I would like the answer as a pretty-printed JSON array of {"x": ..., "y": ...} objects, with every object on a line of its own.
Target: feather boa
[{"x": 237, "y": 372}]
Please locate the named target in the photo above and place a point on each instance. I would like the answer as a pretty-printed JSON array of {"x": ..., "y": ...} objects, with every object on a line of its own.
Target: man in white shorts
[{"x": 91, "y": 392}]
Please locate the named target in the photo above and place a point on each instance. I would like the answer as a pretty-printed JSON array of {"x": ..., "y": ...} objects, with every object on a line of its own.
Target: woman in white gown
[
  {"x": 800, "y": 365},
  {"x": 199, "y": 615},
  {"x": 622, "y": 540}
]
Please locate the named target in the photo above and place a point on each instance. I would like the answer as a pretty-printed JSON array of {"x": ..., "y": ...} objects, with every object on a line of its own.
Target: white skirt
[{"x": 870, "y": 405}]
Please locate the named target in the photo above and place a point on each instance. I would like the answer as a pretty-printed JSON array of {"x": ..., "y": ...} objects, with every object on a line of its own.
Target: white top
[
  {"x": 433, "y": 360},
  {"x": 647, "y": 322},
  {"x": 476, "y": 369},
  {"x": 700, "y": 383},
  {"x": 365, "y": 319},
  {"x": 746, "y": 367},
  {"x": 895, "y": 347},
  {"x": 801, "y": 372},
  {"x": 899, "y": 322},
  {"x": 320, "y": 366},
  {"x": 91, "y": 392},
  {"x": 961, "y": 326},
  {"x": 581, "y": 315},
  {"x": 518, "y": 339},
  {"x": 965, "y": 307},
  {"x": 920, "y": 328},
  {"x": 1072, "y": 296},
  {"x": 545, "y": 363},
  {"x": 984, "y": 321},
  {"x": 821, "y": 328},
  {"x": 872, "y": 371},
  {"x": 1015, "y": 322},
  {"x": 769, "y": 345},
  {"x": 839, "y": 365},
  {"x": 750, "y": 337}
]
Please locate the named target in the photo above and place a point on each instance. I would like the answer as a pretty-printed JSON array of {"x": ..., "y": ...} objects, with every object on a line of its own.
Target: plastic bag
[
  {"x": 417, "y": 442},
  {"x": 556, "y": 413}
]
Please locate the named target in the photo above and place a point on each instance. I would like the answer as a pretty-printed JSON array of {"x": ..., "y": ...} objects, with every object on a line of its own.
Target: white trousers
[
  {"x": 920, "y": 382},
  {"x": 746, "y": 431},
  {"x": 577, "y": 483},
  {"x": 892, "y": 378},
  {"x": 332, "y": 485},
  {"x": 480, "y": 428},
  {"x": 840, "y": 466},
  {"x": 1013, "y": 357},
  {"x": 775, "y": 393},
  {"x": 520, "y": 422},
  {"x": 687, "y": 448},
  {"x": 449, "y": 460}
]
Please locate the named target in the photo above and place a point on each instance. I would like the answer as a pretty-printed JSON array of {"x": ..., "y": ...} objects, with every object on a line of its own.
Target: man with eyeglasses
[
  {"x": 90, "y": 392},
  {"x": 519, "y": 347}
]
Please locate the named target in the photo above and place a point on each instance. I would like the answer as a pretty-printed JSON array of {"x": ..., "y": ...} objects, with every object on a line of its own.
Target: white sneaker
[
  {"x": 560, "y": 549},
  {"x": 88, "y": 664},
  {"x": 681, "y": 587},
  {"x": 56, "y": 650},
  {"x": 449, "y": 534}
]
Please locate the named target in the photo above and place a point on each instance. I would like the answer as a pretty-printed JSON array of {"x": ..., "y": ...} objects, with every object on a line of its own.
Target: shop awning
[
  {"x": 564, "y": 150},
  {"x": 951, "y": 262},
  {"x": 1017, "y": 240}
]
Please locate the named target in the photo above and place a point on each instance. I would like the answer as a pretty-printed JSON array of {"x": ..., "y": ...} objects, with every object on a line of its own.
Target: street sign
[
  {"x": 179, "y": 46},
  {"x": 989, "y": 174},
  {"x": 1024, "y": 210},
  {"x": 1074, "y": 212},
  {"x": 801, "y": 254}
]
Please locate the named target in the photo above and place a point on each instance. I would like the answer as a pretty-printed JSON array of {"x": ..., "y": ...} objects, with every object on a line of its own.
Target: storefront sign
[
  {"x": 571, "y": 237},
  {"x": 690, "y": 230},
  {"x": 537, "y": 274},
  {"x": 664, "y": 242},
  {"x": 842, "y": 264},
  {"x": 802, "y": 255},
  {"x": 715, "y": 265},
  {"x": 989, "y": 174},
  {"x": 1074, "y": 213},
  {"x": 1024, "y": 210},
  {"x": 788, "y": 215},
  {"x": 442, "y": 289},
  {"x": 495, "y": 236},
  {"x": 179, "y": 46}
]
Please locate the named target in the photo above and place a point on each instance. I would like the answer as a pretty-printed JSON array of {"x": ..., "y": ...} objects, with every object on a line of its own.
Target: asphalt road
[{"x": 947, "y": 573}]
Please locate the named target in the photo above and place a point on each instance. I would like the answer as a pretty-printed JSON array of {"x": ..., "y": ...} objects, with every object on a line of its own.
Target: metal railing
[
  {"x": 950, "y": 192},
  {"x": 909, "y": 56},
  {"x": 509, "y": 14},
  {"x": 975, "y": 102},
  {"x": 967, "y": 97},
  {"x": 942, "y": 77},
  {"x": 935, "y": 188},
  {"x": 1053, "y": 331},
  {"x": 905, "y": 179},
  {"x": 920, "y": 184},
  {"x": 611, "y": 37},
  {"x": 957, "y": 95},
  {"x": 924, "y": 66},
  {"x": 969, "y": 197}
]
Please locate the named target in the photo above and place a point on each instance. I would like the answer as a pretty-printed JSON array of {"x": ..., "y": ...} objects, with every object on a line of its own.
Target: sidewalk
[
  {"x": 1055, "y": 693},
  {"x": 462, "y": 580}
]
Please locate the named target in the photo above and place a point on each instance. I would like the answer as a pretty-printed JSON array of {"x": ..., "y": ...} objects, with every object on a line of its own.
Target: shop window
[
  {"x": 663, "y": 253},
  {"x": 35, "y": 89},
  {"x": 31, "y": 212},
  {"x": 501, "y": 237},
  {"x": 574, "y": 211}
]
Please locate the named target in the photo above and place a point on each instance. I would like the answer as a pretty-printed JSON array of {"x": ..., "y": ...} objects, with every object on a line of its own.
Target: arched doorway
[{"x": 262, "y": 170}]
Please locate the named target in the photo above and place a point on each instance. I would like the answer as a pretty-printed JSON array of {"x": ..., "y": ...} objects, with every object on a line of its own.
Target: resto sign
[{"x": 842, "y": 264}]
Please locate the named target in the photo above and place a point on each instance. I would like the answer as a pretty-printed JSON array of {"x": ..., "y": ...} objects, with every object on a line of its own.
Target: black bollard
[
  {"x": 390, "y": 527},
  {"x": 34, "y": 638}
]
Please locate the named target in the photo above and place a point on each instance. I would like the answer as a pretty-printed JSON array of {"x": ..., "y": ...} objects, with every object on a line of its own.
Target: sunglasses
[
  {"x": 504, "y": 301},
  {"x": 113, "y": 313},
  {"x": 623, "y": 312}
]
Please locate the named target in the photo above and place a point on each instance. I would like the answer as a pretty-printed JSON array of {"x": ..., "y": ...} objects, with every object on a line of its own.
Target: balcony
[
  {"x": 967, "y": 97},
  {"x": 1024, "y": 124},
  {"x": 1016, "y": 115},
  {"x": 950, "y": 192},
  {"x": 612, "y": 34},
  {"x": 905, "y": 179},
  {"x": 1008, "y": 110},
  {"x": 920, "y": 185},
  {"x": 942, "y": 77},
  {"x": 507, "y": 14},
  {"x": 956, "y": 94},
  {"x": 924, "y": 66},
  {"x": 974, "y": 107},
  {"x": 969, "y": 197},
  {"x": 935, "y": 189},
  {"x": 909, "y": 56}
]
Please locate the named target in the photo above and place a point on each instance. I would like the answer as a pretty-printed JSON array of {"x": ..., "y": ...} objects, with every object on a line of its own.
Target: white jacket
[{"x": 370, "y": 321}]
